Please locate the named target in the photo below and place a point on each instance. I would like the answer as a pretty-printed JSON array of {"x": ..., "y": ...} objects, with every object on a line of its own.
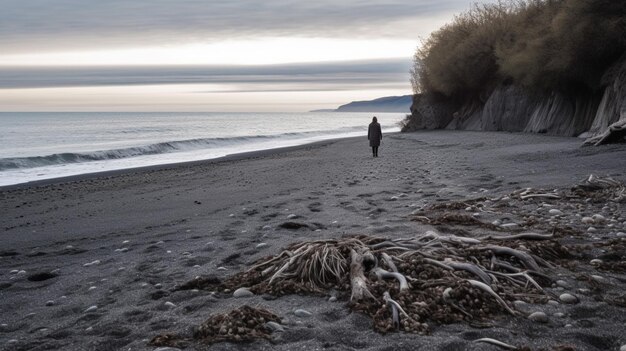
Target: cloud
[
  {"x": 44, "y": 25},
  {"x": 351, "y": 75}
]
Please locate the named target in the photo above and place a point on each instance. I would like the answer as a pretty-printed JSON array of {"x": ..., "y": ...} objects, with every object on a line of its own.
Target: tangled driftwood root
[
  {"x": 406, "y": 283},
  {"x": 615, "y": 133}
]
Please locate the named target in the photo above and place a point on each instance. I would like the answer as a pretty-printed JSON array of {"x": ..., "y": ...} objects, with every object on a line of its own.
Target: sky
[{"x": 209, "y": 55}]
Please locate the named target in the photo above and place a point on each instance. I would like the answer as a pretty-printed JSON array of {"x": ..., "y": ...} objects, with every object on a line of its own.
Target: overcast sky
[{"x": 234, "y": 55}]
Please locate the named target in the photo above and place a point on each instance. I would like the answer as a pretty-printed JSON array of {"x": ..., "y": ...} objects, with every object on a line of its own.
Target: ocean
[{"x": 37, "y": 146}]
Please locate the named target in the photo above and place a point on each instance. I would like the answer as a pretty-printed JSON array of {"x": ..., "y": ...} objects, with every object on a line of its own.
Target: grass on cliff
[{"x": 538, "y": 44}]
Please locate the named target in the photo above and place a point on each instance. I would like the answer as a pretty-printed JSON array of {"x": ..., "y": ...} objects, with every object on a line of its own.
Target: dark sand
[{"x": 123, "y": 241}]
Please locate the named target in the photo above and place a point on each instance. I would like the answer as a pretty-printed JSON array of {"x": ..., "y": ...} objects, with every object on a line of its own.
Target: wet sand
[{"x": 123, "y": 241}]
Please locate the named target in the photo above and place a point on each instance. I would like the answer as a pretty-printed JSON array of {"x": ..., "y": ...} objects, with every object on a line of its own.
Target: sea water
[{"x": 37, "y": 146}]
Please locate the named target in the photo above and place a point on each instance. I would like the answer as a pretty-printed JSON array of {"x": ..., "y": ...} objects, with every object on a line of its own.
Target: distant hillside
[{"x": 384, "y": 104}]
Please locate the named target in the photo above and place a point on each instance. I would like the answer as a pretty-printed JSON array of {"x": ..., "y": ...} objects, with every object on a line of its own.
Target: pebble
[
  {"x": 587, "y": 220},
  {"x": 292, "y": 216},
  {"x": 394, "y": 198},
  {"x": 169, "y": 304},
  {"x": 596, "y": 262},
  {"x": 21, "y": 272},
  {"x": 562, "y": 283},
  {"x": 275, "y": 327},
  {"x": 243, "y": 292},
  {"x": 555, "y": 212},
  {"x": 266, "y": 227},
  {"x": 14, "y": 271},
  {"x": 89, "y": 329},
  {"x": 302, "y": 313},
  {"x": 221, "y": 268},
  {"x": 332, "y": 299},
  {"x": 553, "y": 303},
  {"x": 158, "y": 286},
  {"x": 591, "y": 229},
  {"x": 620, "y": 234},
  {"x": 12, "y": 341},
  {"x": 568, "y": 298},
  {"x": 598, "y": 218},
  {"x": 261, "y": 245},
  {"x": 92, "y": 263},
  {"x": 49, "y": 303},
  {"x": 91, "y": 309},
  {"x": 599, "y": 278},
  {"x": 125, "y": 242},
  {"x": 622, "y": 348},
  {"x": 124, "y": 249},
  {"x": 539, "y": 317},
  {"x": 496, "y": 222},
  {"x": 559, "y": 315},
  {"x": 509, "y": 225},
  {"x": 92, "y": 288},
  {"x": 584, "y": 291}
]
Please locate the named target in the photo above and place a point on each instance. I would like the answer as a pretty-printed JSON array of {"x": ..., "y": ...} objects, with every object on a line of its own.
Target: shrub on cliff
[{"x": 539, "y": 44}]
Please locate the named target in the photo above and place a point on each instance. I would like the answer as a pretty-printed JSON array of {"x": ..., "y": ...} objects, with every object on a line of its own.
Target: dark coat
[{"x": 374, "y": 134}]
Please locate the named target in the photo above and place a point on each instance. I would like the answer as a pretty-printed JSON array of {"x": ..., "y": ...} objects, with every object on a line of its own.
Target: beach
[{"x": 115, "y": 246}]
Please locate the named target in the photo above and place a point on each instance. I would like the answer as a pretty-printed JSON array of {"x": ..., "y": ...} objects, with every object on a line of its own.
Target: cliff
[{"x": 510, "y": 108}]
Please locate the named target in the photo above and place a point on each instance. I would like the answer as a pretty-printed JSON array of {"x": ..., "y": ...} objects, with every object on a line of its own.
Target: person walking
[{"x": 374, "y": 135}]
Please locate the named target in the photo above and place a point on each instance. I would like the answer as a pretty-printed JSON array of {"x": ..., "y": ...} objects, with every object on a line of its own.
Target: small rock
[
  {"x": 292, "y": 216},
  {"x": 21, "y": 272},
  {"x": 538, "y": 317},
  {"x": 302, "y": 313},
  {"x": 261, "y": 245},
  {"x": 562, "y": 283},
  {"x": 14, "y": 271},
  {"x": 12, "y": 341},
  {"x": 596, "y": 262},
  {"x": 89, "y": 329},
  {"x": 584, "y": 291},
  {"x": 274, "y": 327},
  {"x": 221, "y": 268},
  {"x": 394, "y": 198},
  {"x": 587, "y": 220},
  {"x": 553, "y": 303},
  {"x": 92, "y": 263},
  {"x": 158, "y": 286},
  {"x": 509, "y": 225},
  {"x": 598, "y": 218},
  {"x": 599, "y": 278},
  {"x": 49, "y": 303},
  {"x": 169, "y": 304},
  {"x": 620, "y": 234},
  {"x": 591, "y": 229},
  {"x": 496, "y": 222},
  {"x": 91, "y": 309},
  {"x": 555, "y": 212},
  {"x": 622, "y": 348},
  {"x": 243, "y": 292},
  {"x": 332, "y": 299},
  {"x": 92, "y": 288},
  {"x": 559, "y": 315},
  {"x": 568, "y": 298}
]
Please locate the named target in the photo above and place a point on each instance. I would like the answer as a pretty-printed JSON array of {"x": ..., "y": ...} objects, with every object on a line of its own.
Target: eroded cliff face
[{"x": 510, "y": 108}]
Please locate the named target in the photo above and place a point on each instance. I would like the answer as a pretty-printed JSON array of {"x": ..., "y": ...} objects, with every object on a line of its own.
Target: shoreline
[
  {"x": 165, "y": 166},
  {"x": 97, "y": 262}
]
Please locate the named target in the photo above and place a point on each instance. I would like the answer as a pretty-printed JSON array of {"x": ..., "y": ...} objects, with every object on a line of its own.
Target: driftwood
[{"x": 615, "y": 133}]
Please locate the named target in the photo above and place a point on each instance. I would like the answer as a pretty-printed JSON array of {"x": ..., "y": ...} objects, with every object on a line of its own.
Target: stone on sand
[
  {"x": 555, "y": 212},
  {"x": 91, "y": 309},
  {"x": 169, "y": 304},
  {"x": 568, "y": 298},
  {"x": 243, "y": 292},
  {"x": 538, "y": 317},
  {"x": 302, "y": 313}
]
